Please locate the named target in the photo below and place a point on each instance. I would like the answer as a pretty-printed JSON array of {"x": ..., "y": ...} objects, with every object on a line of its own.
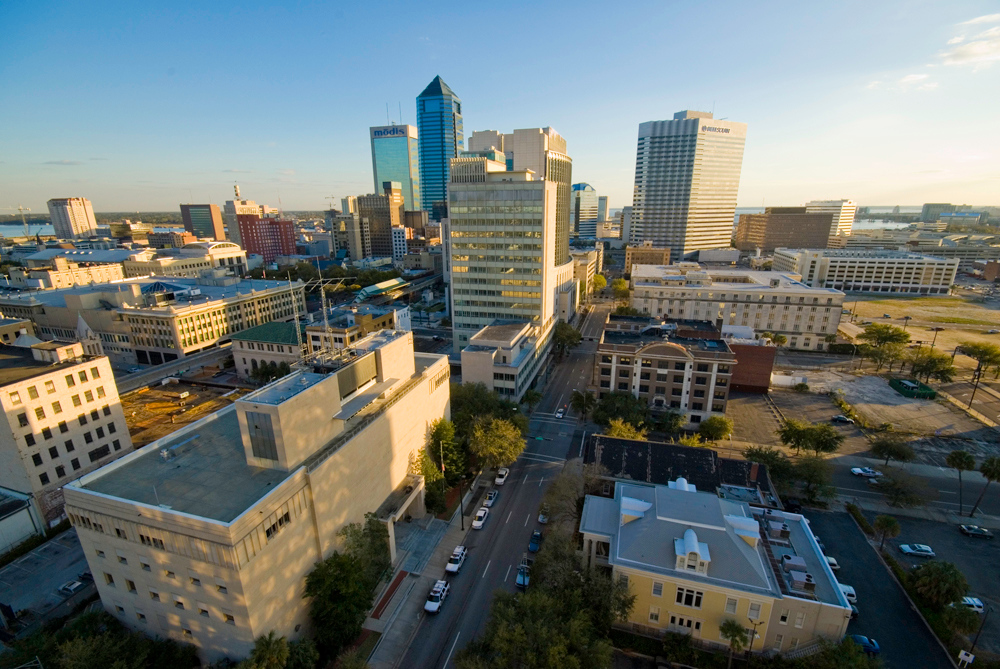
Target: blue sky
[{"x": 141, "y": 106}]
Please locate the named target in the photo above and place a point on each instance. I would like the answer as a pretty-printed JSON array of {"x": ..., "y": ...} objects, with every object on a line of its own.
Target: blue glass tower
[
  {"x": 395, "y": 158},
  {"x": 439, "y": 122}
]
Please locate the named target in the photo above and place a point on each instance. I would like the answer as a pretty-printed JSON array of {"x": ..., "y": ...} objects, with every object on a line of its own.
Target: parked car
[
  {"x": 849, "y": 593},
  {"x": 456, "y": 560},
  {"x": 543, "y": 514},
  {"x": 834, "y": 565},
  {"x": 971, "y": 603},
  {"x": 437, "y": 595},
  {"x": 85, "y": 577},
  {"x": 975, "y": 531},
  {"x": 71, "y": 587},
  {"x": 491, "y": 497},
  {"x": 854, "y": 612},
  {"x": 560, "y": 413},
  {"x": 868, "y": 645},
  {"x": 841, "y": 418},
  {"x": 866, "y": 472},
  {"x": 502, "y": 475},
  {"x": 535, "y": 542},
  {"x": 523, "y": 573},
  {"x": 793, "y": 506},
  {"x": 917, "y": 550},
  {"x": 219, "y": 373},
  {"x": 134, "y": 370},
  {"x": 480, "y": 519},
  {"x": 993, "y": 332}
]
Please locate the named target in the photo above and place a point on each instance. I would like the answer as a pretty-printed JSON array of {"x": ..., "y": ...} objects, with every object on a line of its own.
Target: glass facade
[
  {"x": 395, "y": 157},
  {"x": 439, "y": 124}
]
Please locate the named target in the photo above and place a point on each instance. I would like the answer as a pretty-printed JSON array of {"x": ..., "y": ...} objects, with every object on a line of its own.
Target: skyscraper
[
  {"x": 687, "y": 174},
  {"x": 583, "y": 210},
  {"x": 842, "y": 211},
  {"x": 439, "y": 122},
  {"x": 395, "y": 157},
  {"x": 602, "y": 208},
  {"x": 72, "y": 217},
  {"x": 382, "y": 211},
  {"x": 204, "y": 221}
]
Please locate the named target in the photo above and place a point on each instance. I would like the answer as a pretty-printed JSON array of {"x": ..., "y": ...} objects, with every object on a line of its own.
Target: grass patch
[
  {"x": 859, "y": 517},
  {"x": 961, "y": 321}
]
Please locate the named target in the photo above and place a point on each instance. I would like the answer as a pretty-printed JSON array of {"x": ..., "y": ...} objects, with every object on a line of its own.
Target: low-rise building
[
  {"x": 343, "y": 326},
  {"x": 645, "y": 254},
  {"x": 62, "y": 419},
  {"x": 869, "y": 271},
  {"x": 585, "y": 268},
  {"x": 206, "y": 536},
  {"x": 506, "y": 357},
  {"x": 170, "y": 239},
  {"x": 12, "y": 328},
  {"x": 773, "y": 301},
  {"x": 426, "y": 260},
  {"x": 694, "y": 560},
  {"x": 784, "y": 227},
  {"x": 63, "y": 274},
  {"x": 270, "y": 344},
  {"x": 191, "y": 260}
]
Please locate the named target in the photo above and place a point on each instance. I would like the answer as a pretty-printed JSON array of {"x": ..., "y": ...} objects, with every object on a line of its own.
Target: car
[
  {"x": 841, "y": 418},
  {"x": 219, "y": 373},
  {"x": 543, "y": 514},
  {"x": 886, "y": 316},
  {"x": 134, "y": 370},
  {"x": 849, "y": 593},
  {"x": 854, "y": 612},
  {"x": 437, "y": 595},
  {"x": 480, "y": 519},
  {"x": 560, "y": 413},
  {"x": 868, "y": 645},
  {"x": 917, "y": 550},
  {"x": 973, "y": 604},
  {"x": 456, "y": 560},
  {"x": 501, "y": 476},
  {"x": 71, "y": 587},
  {"x": 975, "y": 531},
  {"x": 535, "y": 542},
  {"x": 866, "y": 472},
  {"x": 523, "y": 573},
  {"x": 993, "y": 332},
  {"x": 834, "y": 565},
  {"x": 793, "y": 506},
  {"x": 85, "y": 577},
  {"x": 866, "y": 322},
  {"x": 491, "y": 498}
]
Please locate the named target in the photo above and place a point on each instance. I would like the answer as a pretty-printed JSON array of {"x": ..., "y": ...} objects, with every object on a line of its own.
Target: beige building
[
  {"x": 505, "y": 357},
  {"x": 346, "y": 325},
  {"x": 645, "y": 254},
  {"x": 63, "y": 419},
  {"x": 382, "y": 212},
  {"x": 870, "y": 271},
  {"x": 12, "y": 328},
  {"x": 72, "y": 217},
  {"x": 842, "y": 212},
  {"x": 778, "y": 302},
  {"x": 64, "y": 274},
  {"x": 206, "y": 535},
  {"x": 694, "y": 560},
  {"x": 586, "y": 265},
  {"x": 191, "y": 260},
  {"x": 270, "y": 344}
]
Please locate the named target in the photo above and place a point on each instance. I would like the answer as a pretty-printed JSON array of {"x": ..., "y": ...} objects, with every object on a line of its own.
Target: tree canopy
[
  {"x": 892, "y": 447},
  {"x": 368, "y": 542},
  {"x": 620, "y": 289},
  {"x": 620, "y": 405},
  {"x": 779, "y": 467},
  {"x": 939, "y": 583},
  {"x": 880, "y": 334},
  {"x": 583, "y": 402},
  {"x": 496, "y": 442},
  {"x": 441, "y": 442},
  {"x": 818, "y": 437},
  {"x": 565, "y": 337},
  {"x": 339, "y": 598},
  {"x": 927, "y": 364},
  {"x": 715, "y": 428},
  {"x": 619, "y": 428},
  {"x": 599, "y": 283}
]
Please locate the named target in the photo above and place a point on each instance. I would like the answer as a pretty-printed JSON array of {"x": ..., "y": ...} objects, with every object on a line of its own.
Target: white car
[
  {"x": 973, "y": 603},
  {"x": 834, "y": 565},
  {"x": 491, "y": 497},
  {"x": 866, "y": 472},
  {"x": 456, "y": 560},
  {"x": 502, "y": 475},
  {"x": 560, "y": 413},
  {"x": 480, "y": 519},
  {"x": 849, "y": 593},
  {"x": 917, "y": 550},
  {"x": 437, "y": 596}
]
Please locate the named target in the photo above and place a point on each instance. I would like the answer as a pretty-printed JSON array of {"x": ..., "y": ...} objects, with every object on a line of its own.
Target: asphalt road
[{"x": 984, "y": 402}]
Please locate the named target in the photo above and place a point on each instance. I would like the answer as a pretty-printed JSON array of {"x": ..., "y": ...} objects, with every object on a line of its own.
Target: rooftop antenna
[
  {"x": 400, "y": 112},
  {"x": 387, "y": 113},
  {"x": 326, "y": 320},
  {"x": 298, "y": 332}
]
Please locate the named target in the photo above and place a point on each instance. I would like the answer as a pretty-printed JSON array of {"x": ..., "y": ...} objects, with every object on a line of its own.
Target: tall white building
[
  {"x": 687, "y": 174},
  {"x": 72, "y": 217},
  {"x": 602, "y": 208},
  {"x": 843, "y": 215},
  {"x": 584, "y": 210}
]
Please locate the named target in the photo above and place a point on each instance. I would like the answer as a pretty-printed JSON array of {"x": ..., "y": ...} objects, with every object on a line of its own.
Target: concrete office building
[
  {"x": 875, "y": 271},
  {"x": 395, "y": 157},
  {"x": 932, "y": 211},
  {"x": 381, "y": 212},
  {"x": 586, "y": 265},
  {"x": 645, "y": 254},
  {"x": 344, "y": 326},
  {"x": 399, "y": 242},
  {"x": 626, "y": 225},
  {"x": 788, "y": 227},
  {"x": 268, "y": 344},
  {"x": 170, "y": 239},
  {"x": 602, "y": 208},
  {"x": 204, "y": 221},
  {"x": 63, "y": 274},
  {"x": 191, "y": 261},
  {"x": 843, "y": 216},
  {"x": 505, "y": 357},
  {"x": 687, "y": 174},
  {"x": 442, "y": 138},
  {"x": 583, "y": 210},
  {"x": 236, "y": 212},
  {"x": 62, "y": 418},
  {"x": 776, "y": 302},
  {"x": 694, "y": 559},
  {"x": 72, "y": 217},
  {"x": 12, "y": 328},
  {"x": 206, "y": 536}
]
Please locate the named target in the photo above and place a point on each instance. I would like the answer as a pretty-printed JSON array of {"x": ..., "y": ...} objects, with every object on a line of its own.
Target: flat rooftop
[
  {"x": 19, "y": 364},
  {"x": 728, "y": 278},
  {"x": 500, "y": 331},
  {"x": 284, "y": 388}
]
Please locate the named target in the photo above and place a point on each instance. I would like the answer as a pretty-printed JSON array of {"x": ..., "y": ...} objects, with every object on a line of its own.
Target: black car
[
  {"x": 975, "y": 531},
  {"x": 86, "y": 576},
  {"x": 793, "y": 506}
]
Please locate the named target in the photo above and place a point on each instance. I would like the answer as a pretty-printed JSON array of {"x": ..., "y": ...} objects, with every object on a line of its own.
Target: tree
[
  {"x": 441, "y": 443},
  {"x": 625, "y": 310},
  {"x": 691, "y": 441},
  {"x": 619, "y": 428},
  {"x": 423, "y": 465},
  {"x": 496, "y": 442},
  {"x": 565, "y": 337},
  {"x": 563, "y": 496},
  {"x": 369, "y": 544},
  {"x": 599, "y": 283},
  {"x": 960, "y": 619},
  {"x": 472, "y": 402},
  {"x": 531, "y": 398},
  {"x": 823, "y": 438},
  {"x": 880, "y": 334},
  {"x": 620, "y": 405},
  {"x": 339, "y": 600},
  {"x": 926, "y": 363},
  {"x": 903, "y": 490},
  {"x": 793, "y": 433},
  {"x": 887, "y": 527},
  {"x": 887, "y": 354},
  {"x": 620, "y": 289},
  {"x": 779, "y": 340},
  {"x": 736, "y": 634},
  {"x": 939, "y": 583},
  {"x": 987, "y": 355},
  {"x": 583, "y": 402},
  {"x": 892, "y": 447},
  {"x": 815, "y": 474},
  {"x": 962, "y": 461},
  {"x": 270, "y": 652},
  {"x": 990, "y": 469},
  {"x": 779, "y": 467},
  {"x": 715, "y": 428},
  {"x": 353, "y": 658},
  {"x": 302, "y": 654},
  {"x": 670, "y": 422}
]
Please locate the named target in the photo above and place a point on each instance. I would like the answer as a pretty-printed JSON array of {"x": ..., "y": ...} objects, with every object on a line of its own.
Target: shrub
[
  {"x": 860, "y": 519},
  {"x": 801, "y": 387}
]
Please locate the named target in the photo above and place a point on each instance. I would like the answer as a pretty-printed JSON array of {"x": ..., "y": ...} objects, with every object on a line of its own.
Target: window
[
  {"x": 778, "y": 638},
  {"x": 53, "y": 452},
  {"x": 60, "y": 471},
  {"x": 623, "y": 385},
  {"x": 281, "y": 521},
  {"x": 178, "y": 604},
  {"x": 783, "y": 619},
  {"x": 731, "y": 605},
  {"x": 654, "y": 614},
  {"x": 754, "y": 612},
  {"x": 98, "y": 453},
  {"x": 94, "y": 415},
  {"x": 702, "y": 367},
  {"x": 69, "y": 445},
  {"x": 70, "y": 382},
  {"x": 155, "y": 543},
  {"x": 94, "y": 373},
  {"x": 82, "y": 418},
  {"x": 47, "y": 433},
  {"x": 63, "y": 428},
  {"x": 83, "y": 376},
  {"x": 145, "y": 566},
  {"x": 111, "y": 428},
  {"x": 155, "y": 596},
  {"x": 109, "y": 579},
  {"x": 76, "y": 463},
  {"x": 76, "y": 400},
  {"x": 122, "y": 559},
  {"x": 800, "y": 619},
  {"x": 100, "y": 553},
  {"x": 100, "y": 433},
  {"x": 106, "y": 410},
  {"x": 32, "y": 393},
  {"x": 29, "y": 439},
  {"x": 117, "y": 445},
  {"x": 50, "y": 387},
  {"x": 44, "y": 478},
  {"x": 657, "y": 589},
  {"x": 203, "y": 612},
  {"x": 39, "y": 413},
  {"x": 141, "y": 617},
  {"x": 15, "y": 398},
  {"x": 119, "y": 609},
  {"x": 230, "y": 619},
  {"x": 679, "y": 366},
  {"x": 690, "y": 598},
  {"x": 37, "y": 459},
  {"x": 196, "y": 581},
  {"x": 169, "y": 574},
  {"x": 88, "y": 437},
  {"x": 623, "y": 579},
  {"x": 57, "y": 407},
  {"x": 100, "y": 391},
  {"x": 22, "y": 419},
  {"x": 130, "y": 586},
  {"x": 261, "y": 435},
  {"x": 88, "y": 395}
]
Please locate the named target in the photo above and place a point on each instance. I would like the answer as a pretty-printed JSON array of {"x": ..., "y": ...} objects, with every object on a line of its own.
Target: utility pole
[{"x": 978, "y": 373}]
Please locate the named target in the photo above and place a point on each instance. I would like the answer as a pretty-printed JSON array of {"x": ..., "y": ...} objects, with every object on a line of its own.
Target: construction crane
[{"x": 21, "y": 211}]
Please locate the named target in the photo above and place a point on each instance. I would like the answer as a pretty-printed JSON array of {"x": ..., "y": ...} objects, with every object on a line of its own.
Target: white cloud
[
  {"x": 236, "y": 171},
  {"x": 981, "y": 51},
  {"x": 957, "y": 40},
  {"x": 874, "y": 85},
  {"x": 988, "y": 18},
  {"x": 912, "y": 79}
]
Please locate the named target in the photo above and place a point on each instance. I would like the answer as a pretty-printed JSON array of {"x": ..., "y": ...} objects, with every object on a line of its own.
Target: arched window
[{"x": 253, "y": 364}]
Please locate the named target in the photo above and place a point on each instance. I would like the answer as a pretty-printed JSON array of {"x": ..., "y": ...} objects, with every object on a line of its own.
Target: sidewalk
[{"x": 876, "y": 505}]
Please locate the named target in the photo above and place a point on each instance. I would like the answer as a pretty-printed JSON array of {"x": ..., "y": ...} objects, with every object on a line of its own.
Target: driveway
[{"x": 885, "y": 612}]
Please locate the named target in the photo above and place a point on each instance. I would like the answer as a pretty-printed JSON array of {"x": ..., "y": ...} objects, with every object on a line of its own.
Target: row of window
[{"x": 60, "y": 470}]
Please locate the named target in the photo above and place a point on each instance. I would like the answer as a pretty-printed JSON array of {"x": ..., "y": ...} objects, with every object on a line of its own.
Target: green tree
[
  {"x": 926, "y": 363},
  {"x": 939, "y": 583},
  {"x": 619, "y": 428},
  {"x": 339, "y": 600},
  {"x": 815, "y": 474},
  {"x": 583, "y": 402},
  {"x": 441, "y": 443},
  {"x": 352, "y": 658},
  {"x": 369, "y": 544},
  {"x": 434, "y": 483},
  {"x": 472, "y": 402},
  {"x": 887, "y": 527},
  {"x": 779, "y": 467},
  {"x": 824, "y": 438},
  {"x": 886, "y": 354},
  {"x": 715, "y": 428},
  {"x": 302, "y": 654},
  {"x": 270, "y": 652},
  {"x": 625, "y": 310},
  {"x": 987, "y": 355},
  {"x": 892, "y": 447},
  {"x": 563, "y": 496},
  {"x": 794, "y": 434},
  {"x": 496, "y": 442},
  {"x": 843, "y": 655},
  {"x": 962, "y": 461},
  {"x": 736, "y": 634},
  {"x": 620, "y": 289},
  {"x": 903, "y": 490},
  {"x": 691, "y": 441},
  {"x": 620, "y": 405},
  {"x": 961, "y": 619},
  {"x": 880, "y": 334},
  {"x": 670, "y": 422},
  {"x": 565, "y": 337},
  {"x": 779, "y": 340},
  {"x": 531, "y": 398},
  {"x": 599, "y": 283},
  {"x": 990, "y": 469}
]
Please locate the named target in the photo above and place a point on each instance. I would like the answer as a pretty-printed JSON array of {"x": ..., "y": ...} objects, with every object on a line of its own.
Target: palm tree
[
  {"x": 583, "y": 401},
  {"x": 270, "y": 652},
  {"x": 963, "y": 462},
  {"x": 887, "y": 527},
  {"x": 531, "y": 398},
  {"x": 732, "y": 631},
  {"x": 940, "y": 583},
  {"x": 990, "y": 469}
]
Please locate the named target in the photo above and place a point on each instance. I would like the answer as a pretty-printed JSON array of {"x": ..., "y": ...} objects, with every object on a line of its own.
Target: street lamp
[
  {"x": 978, "y": 373},
  {"x": 906, "y": 322},
  {"x": 753, "y": 635},
  {"x": 957, "y": 349},
  {"x": 981, "y": 625},
  {"x": 936, "y": 330}
]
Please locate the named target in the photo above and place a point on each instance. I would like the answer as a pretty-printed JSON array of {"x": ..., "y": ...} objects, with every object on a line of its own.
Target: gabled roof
[{"x": 436, "y": 88}]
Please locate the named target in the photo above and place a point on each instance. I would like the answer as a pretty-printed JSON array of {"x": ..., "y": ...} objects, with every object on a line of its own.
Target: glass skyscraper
[
  {"x": 395, "y": 157},
  {"x": 439, "y": 122}
]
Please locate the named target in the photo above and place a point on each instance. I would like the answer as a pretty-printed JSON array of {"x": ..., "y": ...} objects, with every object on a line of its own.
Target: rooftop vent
[{"x": 777, "y": 529}]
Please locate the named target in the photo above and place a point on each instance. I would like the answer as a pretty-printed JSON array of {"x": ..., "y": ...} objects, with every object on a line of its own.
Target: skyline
[{"x": 173, "y": 105}]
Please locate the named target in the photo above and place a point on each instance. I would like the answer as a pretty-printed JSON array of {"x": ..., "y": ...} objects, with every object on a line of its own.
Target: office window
[
  {"x": 39, "y": 413},
  {"x": 63, "y": 427},
  {"x": 69, "y": 445},
  {"x": 754, "y": 612},
  {"x": 83, "y": 376},
  {"x": 15, "y": 398},
  {"x": 94, "y": 415},
  {"x": 800, "y": 619},
  {"x": 32, "y": 393},
  {"x": 178, "y": 604},
  {"x": 60, "y": 471},
  {"x": 155, "y": 596},
  {"x": 169, "y": 574},
  {"x": 70, "y": 382},
  {"x": 88, "y": 395},
  {"x": 100, "y": 433},
  {"x": 731, "y": 605},
  {"x": 106, "y": 410},
  {"x": 221, "y": 587},
  {"x": 690, "y": 598},
  {"x": 88, "y": 437},
  {"x": 22, "y": 419},
  {"x": 29, "y": 439},
  {"x": 130, "y": 586},
  {"x": 122, "y": 559},
  {"x": 203, "y": 612},
  {"x": 100, "y": 391},
  {"x": 37, "y": 459},
  {"x": 111, "y": 428},
  {"x": 230, "y": 620},
  {"x": 76, "y": 400},
  {"x": 94, "y": 373},
  {"x": 53, "y": 452},
  {"x": 82, "y": 419},
  {"x": 141, "y": 617},
  {"x": 98, "y": 453},
  {"x": 50, "y": 387},
  {"x": 196, "y": 581},
  {"x": 117, "y": 445},
  {"x": 109, "y": 579},
  {"x": 119, "y": 609},
  {"x": 56, "y": 407},
  {"x": 47, "y": 433},
  {"x": 44, "y": 478},
  {"x": 76, "y": 464},
  {"x": 679, "y": 366}
]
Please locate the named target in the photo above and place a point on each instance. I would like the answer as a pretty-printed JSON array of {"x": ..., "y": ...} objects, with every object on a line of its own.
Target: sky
[{"x": 143, "y": 106}]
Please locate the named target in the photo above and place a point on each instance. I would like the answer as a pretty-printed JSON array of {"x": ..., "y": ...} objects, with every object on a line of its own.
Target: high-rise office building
[
  {"x": 785, "y": 227},
  {"x": 72, "y": 217},
  {"x": 268, "y": 237},
  {"x": 626, "y": 223},
  {"x": 204, "y": 221},
  {"x": 687, "y": 174},
  {"x": 602, "y": 208},
  {"x": 842, "y": 212},
  {"x": 439, "y": 122},
  {"x": 395, "y": 157},
  {"x": 382, "y": 212},
  {"x": 583, "y": 209},
  {"x": 237, "y": 211}
]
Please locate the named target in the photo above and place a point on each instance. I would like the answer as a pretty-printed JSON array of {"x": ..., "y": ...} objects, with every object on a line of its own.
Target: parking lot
[
  {"x": 885, "y": 612},
  {"x": 753, "y": 420},
  {"x": 32, "y": 581}
]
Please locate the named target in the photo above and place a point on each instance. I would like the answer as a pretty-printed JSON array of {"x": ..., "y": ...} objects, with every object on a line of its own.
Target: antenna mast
[{"x": 298, "y": 332}]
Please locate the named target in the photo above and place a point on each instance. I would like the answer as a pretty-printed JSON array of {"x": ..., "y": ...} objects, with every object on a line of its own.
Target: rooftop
[
  {"x": 284, "y": 388},
  {"x": 728, "y": 278},
  {"x": 500, "y": 331},
  {"x": 888, "y": 254},
  {"x": 270, "y": 333},
  {"x": 18, "y": 364},
  {"x": 437, "y": 87}
]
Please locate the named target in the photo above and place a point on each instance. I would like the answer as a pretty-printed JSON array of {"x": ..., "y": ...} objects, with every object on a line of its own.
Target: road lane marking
[
  {"x": 947, "y": 492},
  {"x": 448, "y": 659},
  {"x": 487, "y": 567},
  {"x": 508, "y": 573},
  {"x": 508, "y": 517},
  {"x": 525, "y": 479},
  {"x": 527, "y": 519},
  {"x": 540, "y": 481}
]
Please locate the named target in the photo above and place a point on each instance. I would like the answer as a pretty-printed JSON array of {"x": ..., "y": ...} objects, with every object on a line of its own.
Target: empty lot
[{"x": 155, "y": 412}]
